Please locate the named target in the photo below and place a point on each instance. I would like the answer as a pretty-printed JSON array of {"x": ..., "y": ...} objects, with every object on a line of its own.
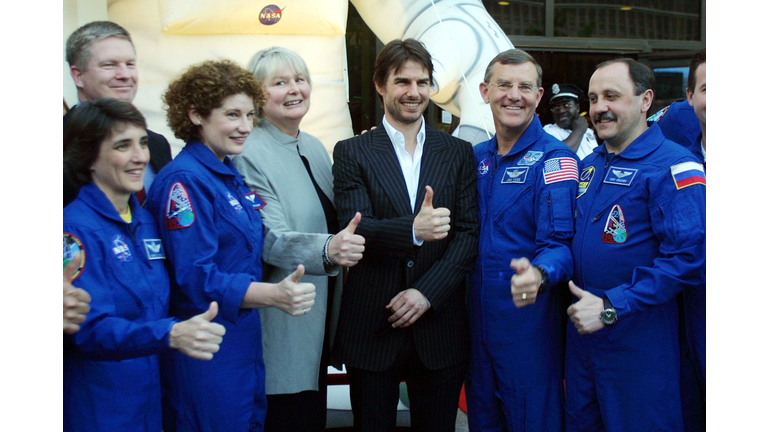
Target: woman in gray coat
[{"x": 290, "y": 172}]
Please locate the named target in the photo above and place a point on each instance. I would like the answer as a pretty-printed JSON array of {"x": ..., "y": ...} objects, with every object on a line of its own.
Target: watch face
[{"x": 608, "y": 316}]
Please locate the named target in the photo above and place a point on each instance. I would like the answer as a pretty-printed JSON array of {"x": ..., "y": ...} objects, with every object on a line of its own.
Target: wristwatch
[
  {"x": 608, "y": 316},
  {"x": 544, "y": 285}
]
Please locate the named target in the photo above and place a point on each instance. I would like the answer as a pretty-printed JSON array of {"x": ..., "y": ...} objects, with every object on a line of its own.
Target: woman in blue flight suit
[
  {"x": 111, "y": 370},
  {"x": 212, "y": 231}
]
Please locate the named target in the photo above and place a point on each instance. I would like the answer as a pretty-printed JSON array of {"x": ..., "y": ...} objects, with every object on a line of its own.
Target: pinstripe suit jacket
[{"x": 368, "y": 179}]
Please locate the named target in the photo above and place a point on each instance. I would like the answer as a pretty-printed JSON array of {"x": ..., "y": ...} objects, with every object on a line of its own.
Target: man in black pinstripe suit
[{"x": 403, "y": 314}]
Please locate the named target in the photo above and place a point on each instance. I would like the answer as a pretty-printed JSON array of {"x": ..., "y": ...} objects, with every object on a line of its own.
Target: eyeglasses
[
  {"x": 563, "y": 107},
  {"x": 524, "y": 88}
]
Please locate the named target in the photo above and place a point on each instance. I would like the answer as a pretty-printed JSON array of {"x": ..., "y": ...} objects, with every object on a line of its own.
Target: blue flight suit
[
  {"x": 678, "y": 122},
  {"x": 212, "y": 233},
  {"x": 515, "y": 379},
  {"x": 111, "y": 366},
  {"x": 640, "y": 237}
]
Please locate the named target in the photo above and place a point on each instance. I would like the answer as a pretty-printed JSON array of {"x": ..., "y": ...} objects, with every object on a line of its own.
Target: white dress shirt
[{"x": 409, "y": 165}]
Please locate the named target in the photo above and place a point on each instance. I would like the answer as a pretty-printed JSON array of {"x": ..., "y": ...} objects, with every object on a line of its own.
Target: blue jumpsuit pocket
[{"x": 561, "y": 212}]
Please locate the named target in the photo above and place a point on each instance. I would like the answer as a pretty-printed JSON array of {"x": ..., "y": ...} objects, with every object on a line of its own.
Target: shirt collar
[{"x": 398, "y": 138}]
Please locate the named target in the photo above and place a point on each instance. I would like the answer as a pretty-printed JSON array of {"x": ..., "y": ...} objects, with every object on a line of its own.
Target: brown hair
[
  {"x": 393, "y": 57},
  {"x": 204, "y": 87},
  {"x": 89, "y": 125}
]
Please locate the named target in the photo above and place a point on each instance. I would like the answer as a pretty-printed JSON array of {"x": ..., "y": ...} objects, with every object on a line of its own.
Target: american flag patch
[
  {"x": 560, "y": 169},
  {"x": 688, "y": 173}
]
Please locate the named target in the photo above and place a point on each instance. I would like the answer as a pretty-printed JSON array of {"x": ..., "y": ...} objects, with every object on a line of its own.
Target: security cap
[{"x": 565, "y": 91}]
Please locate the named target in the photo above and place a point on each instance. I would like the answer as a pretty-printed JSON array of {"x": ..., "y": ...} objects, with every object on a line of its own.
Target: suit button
[{"x": 409, "y": 264}]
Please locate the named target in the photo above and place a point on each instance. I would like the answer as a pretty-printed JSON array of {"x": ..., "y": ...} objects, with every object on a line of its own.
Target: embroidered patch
[
  {"x": 514, "y": 175},
  {"x": 659, "y": 114},
  {"x": 620, "y": 176},
  {"x": 234, "y": 203},
  {"x": 560, "y": 169},
  {"x": 688, "y": 173},
  {"x": 585, "y": 179},
  {"x": 73, "y": 246},
  {"x": 154, "y": 248},
  {"x": 615, "y": 231},
  {"x": 530, "y": 158},
  {"x": 120, "y": 249},
  {"x": 483, "y": 167},
  {"x": 256, "y": 200},
  {"x": 179, "y": 212}
]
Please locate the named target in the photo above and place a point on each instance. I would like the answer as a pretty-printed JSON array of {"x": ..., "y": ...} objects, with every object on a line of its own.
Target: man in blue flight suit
[
  {"x": 685, "y": 123},
  {"x": 527, "y": 182},
  {"x": 640, "y": 240}
]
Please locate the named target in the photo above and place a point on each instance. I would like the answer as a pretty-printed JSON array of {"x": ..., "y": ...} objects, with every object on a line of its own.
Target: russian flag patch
[{"x": 688, "y": 173}]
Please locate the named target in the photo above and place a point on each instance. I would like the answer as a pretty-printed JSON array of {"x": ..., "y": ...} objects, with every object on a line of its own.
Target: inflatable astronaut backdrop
[{"x": 170, "y": 35}]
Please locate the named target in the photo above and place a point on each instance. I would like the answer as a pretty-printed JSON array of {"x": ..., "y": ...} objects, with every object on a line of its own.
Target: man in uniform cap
[{"x": 570, "y": 127}]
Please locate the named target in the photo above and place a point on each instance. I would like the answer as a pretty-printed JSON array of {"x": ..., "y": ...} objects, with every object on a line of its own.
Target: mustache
[{"x": 604, "y": 116}]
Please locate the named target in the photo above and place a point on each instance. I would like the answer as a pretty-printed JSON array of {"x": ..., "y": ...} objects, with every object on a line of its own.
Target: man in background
[
  {"x": 102, "y": 62},
  {"x": 570, "y": 127}
]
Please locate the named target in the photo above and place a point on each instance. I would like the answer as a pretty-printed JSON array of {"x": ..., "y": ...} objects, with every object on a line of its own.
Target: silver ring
[
  {"x": 525, "y": 295},
  {"x": 306, "y": 310}
]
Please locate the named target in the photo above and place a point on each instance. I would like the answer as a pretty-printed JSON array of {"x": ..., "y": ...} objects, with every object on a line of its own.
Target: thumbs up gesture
[
  {"x": 346, "y": 247},
  {"x": 431, "y": 223},
  {"x": 75, "y": 300},
  {"x": 198, "y": 337},
  {"x": 294, "y": 297},
  {"x": 585, "y": 313},
  {"x": 525, "y": 283}
]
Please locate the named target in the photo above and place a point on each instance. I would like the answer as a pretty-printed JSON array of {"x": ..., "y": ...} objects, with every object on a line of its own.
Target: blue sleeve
[
  {"x": 555, "y": 219},
  {"x": 678, "y": 220},
  {"x": 116, "y": 327},
  {"x": 192, "y": 246}
]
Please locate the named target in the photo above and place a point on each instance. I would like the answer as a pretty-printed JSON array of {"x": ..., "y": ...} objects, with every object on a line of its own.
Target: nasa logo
[
  {"x": 120, "y": 249},
  {"x": 270, "y": 15},
  {"x": 483, "y": 167}
]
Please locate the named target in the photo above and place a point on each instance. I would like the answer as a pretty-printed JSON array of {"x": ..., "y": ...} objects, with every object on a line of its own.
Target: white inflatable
[{"x": 171, "y": 35}]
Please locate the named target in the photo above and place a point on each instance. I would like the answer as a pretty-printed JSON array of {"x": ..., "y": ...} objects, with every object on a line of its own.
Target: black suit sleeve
[
  {"x": 159, "y": 151},
  {"x": 384, "y": 231}
]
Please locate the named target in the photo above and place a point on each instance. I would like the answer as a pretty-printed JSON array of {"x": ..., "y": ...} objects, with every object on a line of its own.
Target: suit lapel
[
  {"x": 390, "y": 175},
  {"x": 432, "y": 160}
]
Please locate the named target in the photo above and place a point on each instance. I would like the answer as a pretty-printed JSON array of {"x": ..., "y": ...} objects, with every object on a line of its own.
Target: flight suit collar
[{"x": 641, "y": 147}]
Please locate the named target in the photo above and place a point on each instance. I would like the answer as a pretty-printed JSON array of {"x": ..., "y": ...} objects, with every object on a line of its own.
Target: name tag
[
  {"x": 514, "y": 175},
  {"x": 620, "y": 176},
  {"x": 154, "y": 248}
]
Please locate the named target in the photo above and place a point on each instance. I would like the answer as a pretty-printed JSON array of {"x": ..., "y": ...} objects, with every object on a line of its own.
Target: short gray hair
[
  {"x": 80, "y": 41},
  {"x": 267, "y": 63},
  {"x": 513, "y": 56}
]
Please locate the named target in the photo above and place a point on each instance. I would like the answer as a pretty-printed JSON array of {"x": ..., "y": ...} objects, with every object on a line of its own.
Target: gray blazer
[{"x": 295, "y": 232}]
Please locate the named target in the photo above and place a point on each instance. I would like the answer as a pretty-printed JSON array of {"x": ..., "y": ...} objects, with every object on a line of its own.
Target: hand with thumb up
[
  {"x": 431, "y": 223},
  {"x": 346, "y": 248},
  {"x": 198, "y": 337},
  {"x": 294, "y": 297}
]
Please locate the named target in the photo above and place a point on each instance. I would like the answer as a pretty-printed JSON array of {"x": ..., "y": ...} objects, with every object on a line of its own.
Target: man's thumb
[
  {"x": 211, "y": 313},
  {"x": 576, "y": 291},
  {"x": 354, "y": 223},
  {"x": 428, "y": 198},
  {"x": 520, "y": 265}
]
